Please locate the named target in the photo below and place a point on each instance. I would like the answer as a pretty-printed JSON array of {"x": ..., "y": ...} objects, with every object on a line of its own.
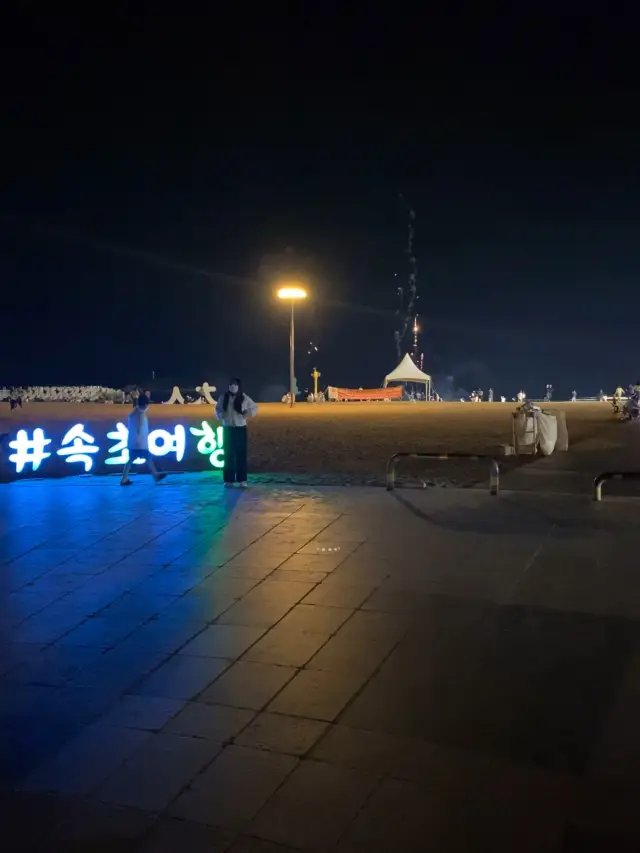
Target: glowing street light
[{"x": 292, "y": 293}]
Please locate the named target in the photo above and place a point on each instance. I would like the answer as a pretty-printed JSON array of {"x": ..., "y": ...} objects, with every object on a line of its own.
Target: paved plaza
[{"x": 295, "y": 669}]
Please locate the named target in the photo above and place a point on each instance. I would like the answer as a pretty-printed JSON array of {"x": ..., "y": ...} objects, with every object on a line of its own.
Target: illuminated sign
[
  {"x": 210, "y": 443},
  {"x": 77, "y": 450},
  {"x": 29, "y": 451},
  {"x": 78, "y": 446}
]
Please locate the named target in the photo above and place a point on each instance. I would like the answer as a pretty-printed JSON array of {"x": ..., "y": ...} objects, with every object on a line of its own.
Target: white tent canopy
[{"x": 407, "y": 371}]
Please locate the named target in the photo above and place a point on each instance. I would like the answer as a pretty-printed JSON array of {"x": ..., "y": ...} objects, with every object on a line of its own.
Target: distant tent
[{"x": 406, "y": 371}]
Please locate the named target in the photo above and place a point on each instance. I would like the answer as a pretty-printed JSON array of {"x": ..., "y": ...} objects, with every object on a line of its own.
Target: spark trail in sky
[{"x": 407, "y": 309}]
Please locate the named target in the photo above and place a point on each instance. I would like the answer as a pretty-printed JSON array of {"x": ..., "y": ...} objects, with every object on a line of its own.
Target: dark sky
[{"x": 146, "y": 155}]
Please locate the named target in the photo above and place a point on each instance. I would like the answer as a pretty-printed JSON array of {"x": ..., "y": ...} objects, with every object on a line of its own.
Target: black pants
[{"x": 235, "y": 454}]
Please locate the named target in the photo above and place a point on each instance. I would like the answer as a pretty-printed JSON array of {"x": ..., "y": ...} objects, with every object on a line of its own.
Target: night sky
[{"x": 153, "y": 164}]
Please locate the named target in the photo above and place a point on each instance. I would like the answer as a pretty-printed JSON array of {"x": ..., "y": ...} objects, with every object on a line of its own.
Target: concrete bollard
[{"x": 563, "y": 434}]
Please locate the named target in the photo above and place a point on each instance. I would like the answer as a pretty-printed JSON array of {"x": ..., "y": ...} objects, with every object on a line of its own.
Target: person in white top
[
  {"x": 234, "y": 409},
  {"x": 138, "y": 443}
]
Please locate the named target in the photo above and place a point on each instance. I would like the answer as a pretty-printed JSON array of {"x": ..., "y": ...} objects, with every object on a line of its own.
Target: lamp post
[
  {"x": 292, "y": 293},
  {"x": 315, "y": 376}
]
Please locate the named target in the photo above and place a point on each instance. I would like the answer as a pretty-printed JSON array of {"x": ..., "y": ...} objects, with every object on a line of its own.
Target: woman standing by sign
[{"x": 234, "y": 410}]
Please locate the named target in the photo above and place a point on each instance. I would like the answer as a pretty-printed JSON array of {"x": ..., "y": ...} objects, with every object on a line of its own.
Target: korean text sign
[{"x": 100, "y": 448}]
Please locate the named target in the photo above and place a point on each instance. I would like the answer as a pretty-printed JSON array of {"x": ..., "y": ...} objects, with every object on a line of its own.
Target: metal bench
[
  {"x": 601, "y": 479},
  {"x": 494, "y": 467}
]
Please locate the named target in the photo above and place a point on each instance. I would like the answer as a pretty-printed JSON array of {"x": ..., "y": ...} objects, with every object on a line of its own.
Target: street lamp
[{"x": 292, "y": 293}]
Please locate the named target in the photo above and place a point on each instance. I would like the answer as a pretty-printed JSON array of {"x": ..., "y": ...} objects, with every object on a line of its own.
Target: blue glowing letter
[
  {"x": 161, "y": 442},
  {"x": 29, "y": 450},
  {"x": 78, "y": 451}
]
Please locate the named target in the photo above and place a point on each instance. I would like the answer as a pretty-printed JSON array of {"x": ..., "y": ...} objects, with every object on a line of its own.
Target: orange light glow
[{"x": 292, "y": 292}]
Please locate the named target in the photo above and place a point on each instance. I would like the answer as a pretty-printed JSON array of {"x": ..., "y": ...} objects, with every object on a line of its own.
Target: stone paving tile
[
  {"x": 81, "y": 705},
  {"x": 388, "y": 600},
  {"x": 149, "y": 713},
  {"x": 14, "y": 654},
  {"x": 84, "y": 825},
  {"x": 283, "y": 542},
  {"x": 299, "y": 525},
  {"x": 257, "y": 613},
  {"x": 172, "y": 581},
  {"x": 181, "y": 677},
  {"x": 244, "y": 571},
  {"x": 360, "y": 569},
  {"x": 21, "y": 833},
  {"x": 248, "y": 685},
  {"x": 316, "y": 619},
  {"x": 308, "y": 576},
  {"x": 223, "y": 641},
  {"x": 317, "y": 695},
  {"x": 540, "y": 696},
  {"x": 375, "y": 752},
  {"x": 324, "y": 562},
  {"x": 198, "y": 609},
  {"x": 314, "y": 806},
  {"x": 101, "y": 631},
  {"x": 278, "y": 733},
  {"x": 45, "y": 627},
  {"x": 164, "y": 634},
  {"x": 362, "y": 643},
  {"x": 616, "y": 751},
  {"x": 443, "y": 771},
  {"x": 591, "y": 582},
  {"x": 286, "y": 646},
  {"x": 134, "y": 604},
  {"x": 215, "y": 722},
  {"x": 57, "y": 580},
  {"x": 120, "y": 667},
  {"x": 233, "y": 789},
  {"x": 324, "y": 545},
  {"x": 229, "y": 587},
  {"x": 26, "y": 743},
  {"x": 151, "y": 777},
  {"x": 53, "y": 665},
  {"x": 332, "y": 593},
  {"x": 265, "y": 560},
  {"x": 272, "y": 590},
  {"x": 399, "y": 816},
  {"x": 85, "y": 761},
  {"x": 171, "y": 835},
  {"x": 21, "y": 699},
  {"x": 26, "y": 602}
]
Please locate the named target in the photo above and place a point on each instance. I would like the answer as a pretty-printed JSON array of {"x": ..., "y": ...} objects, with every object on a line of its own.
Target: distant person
[
  {"x": 138, "y": 443},
  {"x": 234, "y": 409},
  {"x": 574, "y": 396},
  {"x": 490, "y": 395}
]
